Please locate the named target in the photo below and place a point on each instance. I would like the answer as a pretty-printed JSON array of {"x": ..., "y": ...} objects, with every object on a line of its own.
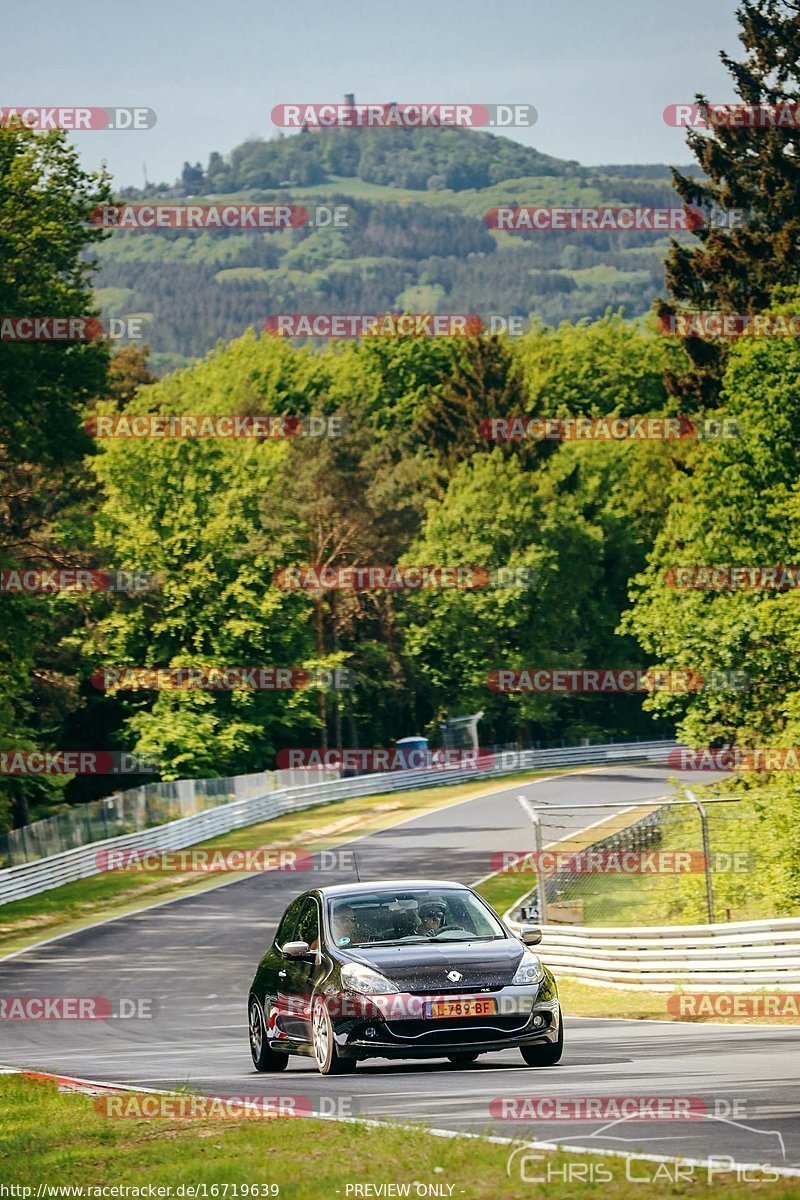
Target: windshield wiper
[
  {"x": 421, "y": 941},
  {"x": 393, "y": 942},
  {"x": 469, "y": 938}
]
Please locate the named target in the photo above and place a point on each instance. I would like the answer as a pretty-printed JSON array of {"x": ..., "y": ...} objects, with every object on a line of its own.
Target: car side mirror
[
  {"x": 531, "y": 935},
  {"x": 296, "y": 950}
]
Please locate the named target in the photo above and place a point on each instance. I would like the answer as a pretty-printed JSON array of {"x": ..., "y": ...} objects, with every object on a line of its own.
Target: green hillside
[{"x": 416, "y": 237}]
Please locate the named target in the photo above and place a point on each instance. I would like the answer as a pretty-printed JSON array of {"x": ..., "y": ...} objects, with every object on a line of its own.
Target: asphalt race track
[{"x": 195, "y": 957}]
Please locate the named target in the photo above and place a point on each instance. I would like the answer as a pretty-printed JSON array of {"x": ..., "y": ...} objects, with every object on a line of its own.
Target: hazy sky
[{"x": 599, "y": 75}]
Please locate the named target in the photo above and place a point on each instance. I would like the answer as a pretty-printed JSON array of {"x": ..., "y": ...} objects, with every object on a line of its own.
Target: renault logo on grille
[{"x": 454, "y": 976}]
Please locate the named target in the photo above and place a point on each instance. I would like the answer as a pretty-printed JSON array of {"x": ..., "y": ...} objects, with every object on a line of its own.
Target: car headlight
[
  {"x": 358, "y": 978},
  {"x": 530, "y": 969}
]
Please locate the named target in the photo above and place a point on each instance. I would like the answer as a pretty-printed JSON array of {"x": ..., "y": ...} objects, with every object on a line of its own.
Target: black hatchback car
[{"x": 402, "y": 969}]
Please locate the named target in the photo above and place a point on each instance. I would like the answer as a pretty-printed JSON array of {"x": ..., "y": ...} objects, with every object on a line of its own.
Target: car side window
[
  {"x": 308, "y": 925},
  {"x": 288, "y": 922}
]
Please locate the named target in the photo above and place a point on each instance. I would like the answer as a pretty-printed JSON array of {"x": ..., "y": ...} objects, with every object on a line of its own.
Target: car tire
[
  {"x": 264, "y": 1059},
  {"x": 546, "y": 1054},
  {"x": 463, "y": 1059},
  {"x": 322, "y": 1039}
]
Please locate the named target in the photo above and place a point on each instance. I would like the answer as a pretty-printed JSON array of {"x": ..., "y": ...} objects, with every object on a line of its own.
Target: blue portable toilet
[{"x": 413, "y": 752}]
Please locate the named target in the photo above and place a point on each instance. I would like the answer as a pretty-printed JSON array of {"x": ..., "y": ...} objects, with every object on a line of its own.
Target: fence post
[
  {"x": 541, "y": 882},
  {"x": 706, "y": 854}
]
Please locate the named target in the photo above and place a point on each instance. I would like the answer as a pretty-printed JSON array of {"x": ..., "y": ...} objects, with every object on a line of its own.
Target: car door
[
  {"x": 297, "y": 976},
  {"x": 270, "y": 984}
]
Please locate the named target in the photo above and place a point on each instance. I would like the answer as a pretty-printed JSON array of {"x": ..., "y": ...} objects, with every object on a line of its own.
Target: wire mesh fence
[
  {"x": 152, "y": 804},
  {"x": 136, "y": 809},
  {"x": 651, "y": 871}
]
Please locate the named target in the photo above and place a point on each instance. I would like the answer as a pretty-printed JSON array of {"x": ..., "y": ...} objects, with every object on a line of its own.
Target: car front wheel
[
  {"x": 547, "y": 1054},
  {"x": 327, "y": 1059},
  {"x": 264, "y": 1059}
]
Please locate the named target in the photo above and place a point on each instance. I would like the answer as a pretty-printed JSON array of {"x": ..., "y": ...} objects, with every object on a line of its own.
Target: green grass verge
[
  {"x": 580, "y": 999},
  {"x": 76, "y": 905},
  {"x": 61, "y": 1140}
]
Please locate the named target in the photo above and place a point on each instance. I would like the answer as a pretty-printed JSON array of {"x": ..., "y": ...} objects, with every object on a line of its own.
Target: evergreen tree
[
  {"x": 485, "y": 383},
  {"x": 752, "y": 168}
]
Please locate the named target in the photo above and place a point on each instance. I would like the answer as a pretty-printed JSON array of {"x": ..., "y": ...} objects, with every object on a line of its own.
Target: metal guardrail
[
  {"x": 28, "y": 879},
  {"x": 735, "y": 956},
  {"x": 139, "y": 808}
]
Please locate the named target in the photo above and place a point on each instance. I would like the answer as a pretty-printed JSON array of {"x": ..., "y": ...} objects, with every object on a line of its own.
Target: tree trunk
[{"x": 322, "y": 707}]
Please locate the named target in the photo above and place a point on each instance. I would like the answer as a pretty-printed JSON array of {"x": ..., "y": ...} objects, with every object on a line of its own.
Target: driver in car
[
  {"x": 345, "y": 929},
  {"x": 431, "y": 917}
]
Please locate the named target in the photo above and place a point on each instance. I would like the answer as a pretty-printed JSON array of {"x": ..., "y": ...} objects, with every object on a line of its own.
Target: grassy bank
[
  {"x": 629, "y": 900},
  {"x": 594, "y": 1000},
  {"x": 61, "y": 1140}
]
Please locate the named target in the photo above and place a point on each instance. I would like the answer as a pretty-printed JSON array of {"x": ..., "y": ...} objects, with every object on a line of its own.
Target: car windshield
[{"x": 390, "y": 918}]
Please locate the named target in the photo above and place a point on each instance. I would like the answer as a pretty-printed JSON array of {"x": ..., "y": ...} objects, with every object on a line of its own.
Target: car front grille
[{"x": 448, "y": 1031}]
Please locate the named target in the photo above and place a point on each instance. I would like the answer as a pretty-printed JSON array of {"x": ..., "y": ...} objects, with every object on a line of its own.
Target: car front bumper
[{"x": 396, "y": 1026}]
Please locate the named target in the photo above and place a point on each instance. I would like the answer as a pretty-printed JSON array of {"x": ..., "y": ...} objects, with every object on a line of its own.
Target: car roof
[{"x": 377, "y": 885}]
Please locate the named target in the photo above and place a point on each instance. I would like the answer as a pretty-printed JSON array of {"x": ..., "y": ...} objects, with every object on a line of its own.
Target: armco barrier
[
  {"x": 136, "y": 809},
  {"x": 28, "y": 879},
  {"x": 735, "y": 956}
]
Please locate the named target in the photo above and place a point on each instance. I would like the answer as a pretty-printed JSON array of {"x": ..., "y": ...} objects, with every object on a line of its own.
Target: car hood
[{"x": 425, "y": 967}]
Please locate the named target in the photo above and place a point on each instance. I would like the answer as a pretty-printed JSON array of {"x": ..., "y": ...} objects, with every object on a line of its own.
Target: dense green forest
[{"x": 411, "y": 480}]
